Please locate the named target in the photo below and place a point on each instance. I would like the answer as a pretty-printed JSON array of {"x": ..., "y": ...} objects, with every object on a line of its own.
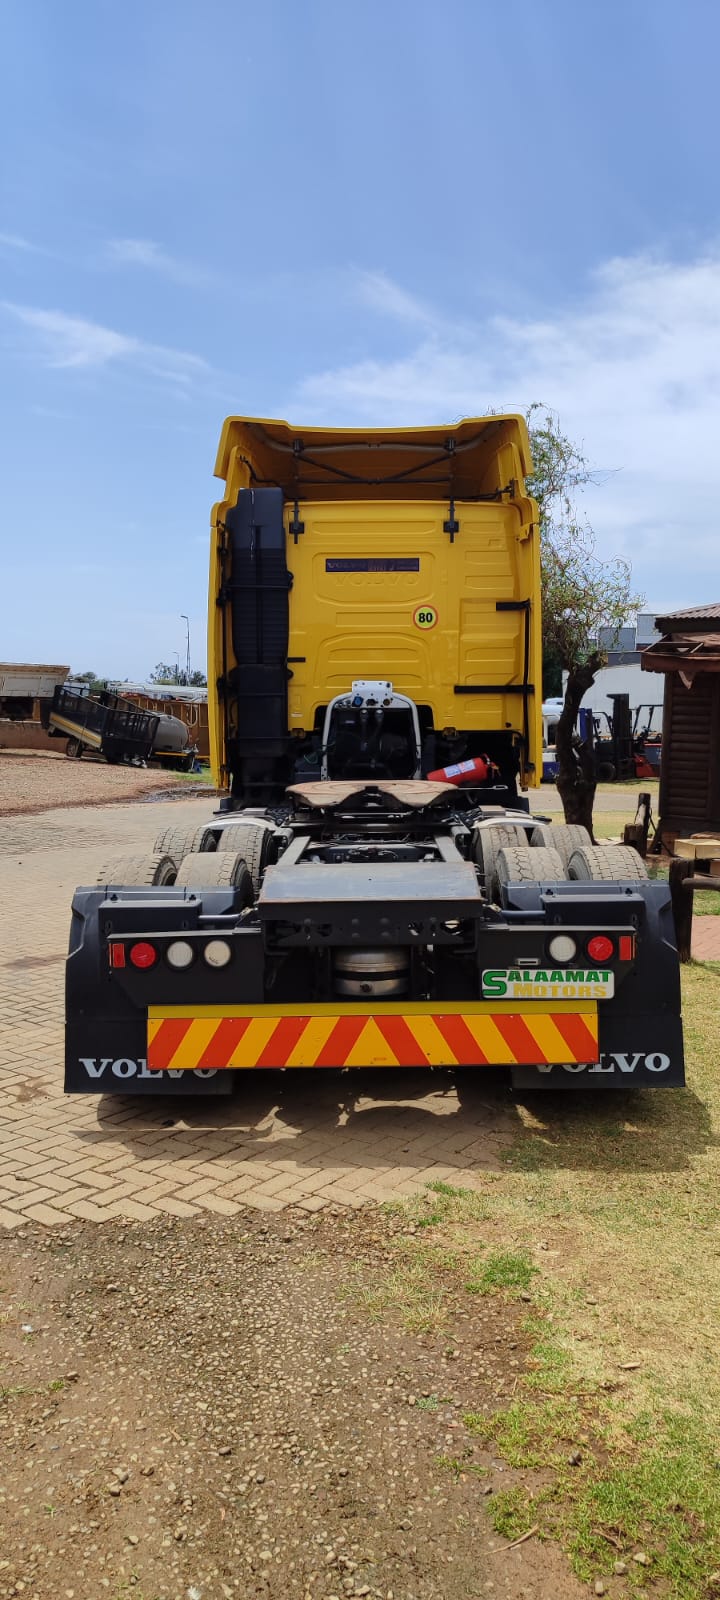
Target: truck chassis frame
[{"x": 371, "y": 939}]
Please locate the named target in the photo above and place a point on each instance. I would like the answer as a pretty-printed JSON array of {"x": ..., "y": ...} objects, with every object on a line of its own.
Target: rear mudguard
[
  {"x": 108, "y": 1057},
  {"x": 637, "y": 1049},
  {"x": 105, "y": 1034},
  {"x": 640, "y": 1029}
]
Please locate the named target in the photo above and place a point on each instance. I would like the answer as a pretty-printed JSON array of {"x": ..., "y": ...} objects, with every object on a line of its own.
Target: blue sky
[{"x": 387, "y": 212}]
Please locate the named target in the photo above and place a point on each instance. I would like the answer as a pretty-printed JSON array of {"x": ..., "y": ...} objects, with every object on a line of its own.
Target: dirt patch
[
  {"x": 33, "y": 781},
  {"x": 205, "y": 1409}
]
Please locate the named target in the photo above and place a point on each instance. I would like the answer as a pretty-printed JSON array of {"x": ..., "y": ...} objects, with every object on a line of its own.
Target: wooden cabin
[{"x": 688, "y": 654}]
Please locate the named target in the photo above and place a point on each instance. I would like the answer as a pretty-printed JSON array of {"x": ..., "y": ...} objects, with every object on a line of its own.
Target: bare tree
[{"x": 581, "y": 595}]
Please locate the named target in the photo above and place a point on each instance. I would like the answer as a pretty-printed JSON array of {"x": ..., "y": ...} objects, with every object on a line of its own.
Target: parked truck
[
  {"x": 106, "y": 724},
  {"x": 372, "y": 889}
]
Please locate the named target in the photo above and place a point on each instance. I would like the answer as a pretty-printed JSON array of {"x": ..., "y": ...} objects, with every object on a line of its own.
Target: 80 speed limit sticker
[{"x": 425, "y": 617}]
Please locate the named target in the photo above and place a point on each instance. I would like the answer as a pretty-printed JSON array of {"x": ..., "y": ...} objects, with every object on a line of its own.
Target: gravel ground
[
  {"x": 197, "y": 1410},
  {"x": 39, "y": 780}
]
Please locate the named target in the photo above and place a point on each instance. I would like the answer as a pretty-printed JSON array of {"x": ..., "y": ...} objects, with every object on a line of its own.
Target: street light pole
[{"x": 186, "y": 620}]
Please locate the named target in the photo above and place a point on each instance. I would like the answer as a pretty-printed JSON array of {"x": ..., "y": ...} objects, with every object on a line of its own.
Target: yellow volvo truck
[{"x": 373, "y": 889}]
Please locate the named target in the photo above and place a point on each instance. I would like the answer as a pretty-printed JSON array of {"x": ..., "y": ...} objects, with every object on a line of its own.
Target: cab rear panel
[{"x": 409, "y": 555}]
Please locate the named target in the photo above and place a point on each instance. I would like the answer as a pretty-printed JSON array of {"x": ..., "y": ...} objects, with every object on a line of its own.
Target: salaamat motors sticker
[{"x": 540, "y": 983}]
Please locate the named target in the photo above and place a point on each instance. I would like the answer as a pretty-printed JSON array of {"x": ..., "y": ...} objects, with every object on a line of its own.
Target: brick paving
[
  {"x": 706, "y": 939},
  {"x": 308, "y": 1139}
]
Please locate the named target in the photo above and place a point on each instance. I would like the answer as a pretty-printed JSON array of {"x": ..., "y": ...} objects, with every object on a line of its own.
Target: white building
[{"x": 623, "y": 675}]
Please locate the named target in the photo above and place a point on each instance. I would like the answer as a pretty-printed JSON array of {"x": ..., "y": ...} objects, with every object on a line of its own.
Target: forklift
[{"x": 630, "y": 749}]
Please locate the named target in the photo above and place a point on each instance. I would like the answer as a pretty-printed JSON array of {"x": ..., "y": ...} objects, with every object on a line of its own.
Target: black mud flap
[
  {"x": 108, "y": 1057},
  {"x": 640, "y": 1051}
]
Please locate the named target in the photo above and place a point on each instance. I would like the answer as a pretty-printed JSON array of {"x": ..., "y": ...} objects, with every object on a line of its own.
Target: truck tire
[
  {"x": 213, "y": 871},
  {"x": 529, "y": 865},
  {"x": 74, "y": 748},
  {"x": 156, "y": 870},
  {"x": 181, "y": 842},
  {"x": 487, "y": 843},
  {"x": 604, "y": 863},
  {"x": 561, "y": 836},
  {"x": 251, "y": 840}
]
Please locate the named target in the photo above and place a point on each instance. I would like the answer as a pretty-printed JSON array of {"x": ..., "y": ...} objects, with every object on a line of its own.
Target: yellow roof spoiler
[{"x": 461, "y": 459}]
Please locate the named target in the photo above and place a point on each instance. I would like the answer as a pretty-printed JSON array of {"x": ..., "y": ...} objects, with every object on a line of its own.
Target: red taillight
[
  {"x": 600, "y": 947},
  {"x": 143, "y": 955},
  {"x": 626, "y": 947},
  {"x": 117, "y": 955}
]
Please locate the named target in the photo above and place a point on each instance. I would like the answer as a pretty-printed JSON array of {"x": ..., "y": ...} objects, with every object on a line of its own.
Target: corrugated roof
[
  {"x": 686, "y": 653},
  {"x": 710, "y": 613}
]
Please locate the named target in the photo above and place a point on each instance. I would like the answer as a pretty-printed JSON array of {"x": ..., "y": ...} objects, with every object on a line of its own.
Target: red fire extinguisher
[{"x": 476, "y": 771}]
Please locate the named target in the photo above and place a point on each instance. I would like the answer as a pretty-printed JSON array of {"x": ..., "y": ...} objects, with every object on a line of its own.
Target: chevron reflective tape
[{"x": 468, "y": 1035}]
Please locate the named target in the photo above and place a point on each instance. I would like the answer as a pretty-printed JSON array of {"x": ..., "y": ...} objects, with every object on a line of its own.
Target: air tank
[{"x": 172, "y": 735}]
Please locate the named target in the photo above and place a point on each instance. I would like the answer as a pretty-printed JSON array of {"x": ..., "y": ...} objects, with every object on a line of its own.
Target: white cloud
[
  {"x": 381, "y": 293},
  {"x": 13, "y": 241},
  {"x": 632, "y": 368},
  {"x": 146, "y": 253},
  {"x": 67, "y": 341},
  {"x": 136, "y": 252}
]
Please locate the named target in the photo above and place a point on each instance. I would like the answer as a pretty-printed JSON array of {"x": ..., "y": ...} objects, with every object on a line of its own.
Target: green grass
[
  {"x": 504, "y": 1269},
  {"x": 661, "y": 1501},
  {"x": 513, "y": 1513},
  {"x": 637, "y": 785},
  {"x": 606, "y": 1210},
  {"x": 460, "y": 1465},
  {"x": 551, "y": 1365},
  {"x": 706, "y": 903},
  {"x": 529, "y": 1433},
  {"x": 202, "y": 779},
  {"x": 410, "y": 1288},
  {"x": 664, "y": 1503}
]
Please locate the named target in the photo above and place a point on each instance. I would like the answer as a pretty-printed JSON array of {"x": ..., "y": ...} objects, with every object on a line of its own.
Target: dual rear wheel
[
  {"x": 199, "y": 858},
  {"x": 253, "y": 841},
  {"x": 549, "y": 853},
  {"x": 198, "y": 871}
]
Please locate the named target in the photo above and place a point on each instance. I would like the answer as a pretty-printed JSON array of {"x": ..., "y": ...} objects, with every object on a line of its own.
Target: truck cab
[{"x": 406, "y": 555}]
